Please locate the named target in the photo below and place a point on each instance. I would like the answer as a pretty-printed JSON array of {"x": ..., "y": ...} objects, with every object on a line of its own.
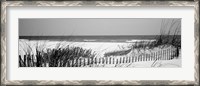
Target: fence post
[
  {"x": 156, "y": 55},
  {"x": 161, "y": 55},
  {"x": 139, "y": 57},
  {"x": 129, "y": 59},
  {"x": 32, "y": 61},
  {"x": 80, "y": 62},
  {"x": 110, "y": 60},
  {"x": 76, "y": 61},
  {"x": 146, "y": 55},
  {"x": 164, "y": 54},
  {"x": 95, "y": 60},
  {"x": 88, "y": 62},
  {"x": 20, "y": 61},
  {"x": 113, "y": 61},
  {"x": 29, "y": 61},
  {"x": 172, "y": 53},
  {"x": 142, "y": 57},
  {"x": 106, "y": 60},
  {"x": 69, "y": 63},
  {"x": 120, "y": 61},
  {"x": 117, "y": 61},
  {"x": 92, "y": 61},
  {"x": 72, "y": 63},
  {"x": 84, "y": 62},
  {"x": 168, "y": 54},
  {"x": 126, "y": 59},
  {"x": 25, "y": 60},
  {"x": 102, "y": 60},
  {"x": 133, "y": 58},
  {"x": 123, "y": 59},
  {"x": 149, "y": 57}
]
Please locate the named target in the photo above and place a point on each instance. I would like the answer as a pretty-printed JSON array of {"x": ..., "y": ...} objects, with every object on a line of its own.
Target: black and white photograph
[{"x": 100, "y": 42}]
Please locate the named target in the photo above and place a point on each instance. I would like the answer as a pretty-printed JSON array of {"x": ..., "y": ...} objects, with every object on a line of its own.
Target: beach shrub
[
  {"x": 170, "y": 34},
  {"x": 56, "y": 57}
]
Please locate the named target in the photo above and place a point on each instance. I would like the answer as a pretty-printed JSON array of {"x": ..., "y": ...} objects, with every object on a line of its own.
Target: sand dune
[{"x": 100, "y": 48}]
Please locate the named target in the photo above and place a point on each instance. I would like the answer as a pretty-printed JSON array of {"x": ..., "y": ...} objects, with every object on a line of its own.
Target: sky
[{"x": 89, "y": 26}]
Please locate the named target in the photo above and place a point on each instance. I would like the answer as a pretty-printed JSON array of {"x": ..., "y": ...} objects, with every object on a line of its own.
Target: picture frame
[{"x": 5, "y": 4}]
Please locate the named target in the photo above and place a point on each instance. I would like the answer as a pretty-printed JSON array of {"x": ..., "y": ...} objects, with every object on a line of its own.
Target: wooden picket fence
[{"x": 164, "y": 54}]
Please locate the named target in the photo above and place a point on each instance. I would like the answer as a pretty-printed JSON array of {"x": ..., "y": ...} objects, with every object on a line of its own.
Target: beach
[{"x": 99, "y": 48}]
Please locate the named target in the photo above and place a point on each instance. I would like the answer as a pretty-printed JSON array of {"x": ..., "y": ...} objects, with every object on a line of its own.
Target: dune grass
[
  {"x": 169, "y": 36},
  {"x": 56, "y": 57}
]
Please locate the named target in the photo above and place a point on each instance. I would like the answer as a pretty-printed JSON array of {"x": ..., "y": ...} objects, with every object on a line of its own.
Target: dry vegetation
[
  {"x": 57, "y": 57},
  {"x": 169, "y": 36}
]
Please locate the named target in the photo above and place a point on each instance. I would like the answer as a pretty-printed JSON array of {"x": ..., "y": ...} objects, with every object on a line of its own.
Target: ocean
[{"x": 115, "y": 38}]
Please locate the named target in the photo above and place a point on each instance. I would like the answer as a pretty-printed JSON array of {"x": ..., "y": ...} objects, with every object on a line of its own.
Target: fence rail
[{"x": 164, "y": 54}]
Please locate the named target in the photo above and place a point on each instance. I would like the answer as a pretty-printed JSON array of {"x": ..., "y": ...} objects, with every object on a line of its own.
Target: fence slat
[
  {"x": 25, "y": 60},
  {"x": 129, "y": 59},
  {"x": 113, "y": 61},
  {"x": 142, "y": 57},
  {"x": 133, "y": 58},
  {"x": 20, "y": 61},
  {"x": 164, "y": 54},
  {"x": 84, "y": 62},
  {"x": 139, "y": 58},
  {"x": 120, "y": 61},
  {"x": 126, "y": 59},
  {"x": 123, "y": 59},
  {"x": 168, "y": 54}
]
